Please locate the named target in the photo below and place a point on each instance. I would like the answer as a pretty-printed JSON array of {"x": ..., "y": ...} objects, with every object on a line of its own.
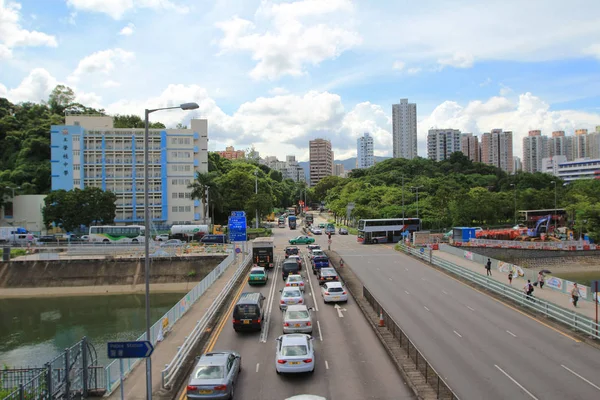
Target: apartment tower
[
  {"x": 364, "y": 150},
  {"x": 404, "y": 129},
  {"x": 442, "y": 142},
  {"x": 469, "y": 146},
  {"x": 535, "y": 148},
  {"x": 321, "y": 160},
  {"x": 497, "y": 149}
]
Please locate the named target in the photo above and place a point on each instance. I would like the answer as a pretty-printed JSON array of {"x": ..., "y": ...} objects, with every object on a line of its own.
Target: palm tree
[{"x": 200, "y": 188}]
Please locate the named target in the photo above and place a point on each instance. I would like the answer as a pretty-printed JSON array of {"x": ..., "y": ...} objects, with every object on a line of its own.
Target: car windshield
[
  {"x": 294, "y": 350},
  {"x": 297, "y": 314},
  {"x": 291, "y": 293},
  {"x": 209, "y": 372}
]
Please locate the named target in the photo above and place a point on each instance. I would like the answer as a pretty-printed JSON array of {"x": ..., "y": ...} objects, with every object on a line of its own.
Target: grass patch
[{"x": 17, "y": 252}]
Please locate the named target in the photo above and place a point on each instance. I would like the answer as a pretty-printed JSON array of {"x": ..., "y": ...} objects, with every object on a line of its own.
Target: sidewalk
[
  {"x": 553, "y": 296},
  {"x": 135, "y": 382}
]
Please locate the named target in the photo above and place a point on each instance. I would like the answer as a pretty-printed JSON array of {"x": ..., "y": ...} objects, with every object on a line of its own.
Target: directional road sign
[
  {"x": 237, "y": 226},
  {"x": 140, "y": 349},
  {"x": 238, "y": 214}
]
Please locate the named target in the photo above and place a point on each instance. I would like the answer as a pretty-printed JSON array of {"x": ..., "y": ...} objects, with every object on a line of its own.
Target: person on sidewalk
[
  {"x": 575, "y": 295},
  {"x": 488, "y": 267},
  {"x": 510, "y": 276},
  {"x": 541, "y": 280},
  {"x": 528, "y": 289}
]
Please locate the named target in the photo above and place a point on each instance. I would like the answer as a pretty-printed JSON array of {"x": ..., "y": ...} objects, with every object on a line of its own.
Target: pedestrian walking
[
  {"x": 488, "y": 267},
  {"x": 575, "y": 295},
  {"x": 528, "y": 289},
  {"x": 510, "y": 276},
  {"x": 541, "y": 280}
]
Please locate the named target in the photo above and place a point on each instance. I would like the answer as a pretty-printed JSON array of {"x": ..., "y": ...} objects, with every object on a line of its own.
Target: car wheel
[
  {"x": 312, "y": 370},
  {"x": 375, "y": 241},
  {"x": 134, "y": 241},
  {"x": 278, "y": 373}
]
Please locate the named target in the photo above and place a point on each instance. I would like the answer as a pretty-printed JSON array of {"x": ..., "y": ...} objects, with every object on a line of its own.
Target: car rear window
[
  {"x": 246, "y": 310},
  {"x": 297, "y": 314},
  {"x": 291, "y": 293},
  {"x": 256, "y": 273},
  {"x": 335, "y": 289},
  {"x": 209, "y": 372},
  {"x": 294, "y": 278},
  {"x": 291, "y": 251},
  {"x": 294, "y": 350},
  {"x": 290, "y": 267},
  {"x": 321, "y": 259},
  {"x": 328, "y": 271}
]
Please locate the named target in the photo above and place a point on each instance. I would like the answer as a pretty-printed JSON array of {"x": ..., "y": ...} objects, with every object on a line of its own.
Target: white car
[
  {"x": 289, "y": 296},
  {"x": 334, "y": 292},
  {"x": 295, "y": 354},
  {"x": 295, "y": 280},
  {"x": 297, "y": 319},
  {"x": 162, "y": 238},
  {"x": 317, "y": 231},
  {"x": 317, "y": 252}
]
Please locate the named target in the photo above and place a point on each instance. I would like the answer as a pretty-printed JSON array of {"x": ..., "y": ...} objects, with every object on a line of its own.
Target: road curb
[{"x": 404, "y": 364}]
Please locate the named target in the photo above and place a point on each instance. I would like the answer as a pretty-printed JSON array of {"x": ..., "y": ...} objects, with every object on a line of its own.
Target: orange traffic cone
[{"x": 381, "y": 323}]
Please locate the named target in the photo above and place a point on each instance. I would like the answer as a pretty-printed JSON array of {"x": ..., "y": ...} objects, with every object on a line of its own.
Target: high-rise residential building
[
  {"x": 232, "y": 154},
  {"x": 560, "y": 145},
  {"x": 290, "y": 168},
  {"x": 497, "y": 149},
  {"x": 535, "y": 148},
  {"x": 517, "y": 164},
  {"x": 364, "y": 150},
  {"x": 321, "y": 160},
  {"x": 338, "y": 170},
  {"x": 469, "y": 146},
  {"x": 597, "y": 128},
  {"x": 580, "y": 144},
  {"x": 404, "y": 129},
  {"x": 593, "y": 145},
  {"x": 88, "y": 152},
  {"x": 442, "y": 142}
]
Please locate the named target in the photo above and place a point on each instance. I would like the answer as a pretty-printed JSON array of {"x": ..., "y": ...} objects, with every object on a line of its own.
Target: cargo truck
[
  {"x": 292, "y": 221},
  {"x": 262, "y": 252}
]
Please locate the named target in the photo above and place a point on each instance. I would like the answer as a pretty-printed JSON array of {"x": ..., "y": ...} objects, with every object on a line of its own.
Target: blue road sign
[
  {"x": 237, "y": 227},
  {"x": 141, "y": 349},
  {"x": 238, "y": 214}
]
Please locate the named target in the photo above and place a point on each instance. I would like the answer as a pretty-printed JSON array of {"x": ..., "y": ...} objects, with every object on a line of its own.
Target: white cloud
[
  {"x": 457, "y": 60},
  {"x": 300, "y": 33},
  {"x": 34, "y": 87},
  {"x": 127, "y": 30},
  {"x": 278, "y": 91},
  {"x": 399, "y": 65},
  {"x": 103, "y": 62},
  {"x": 413, "y": 71},
  {"x": 486, "y": 82},
  {"x": 505, "y": 90},
  {"x": 110, "y": 84},
  {"x": 13, "y": 35},
  {"x": 117, "y": 8},
  {"x": 593, "y": 50}
]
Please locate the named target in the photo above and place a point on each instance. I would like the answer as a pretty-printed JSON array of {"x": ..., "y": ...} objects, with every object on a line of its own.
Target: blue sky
[{"x": 275, "y": 74}]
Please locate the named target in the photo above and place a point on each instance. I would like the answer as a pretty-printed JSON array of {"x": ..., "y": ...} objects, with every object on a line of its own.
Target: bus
[
  {"x": 117, "y": 234},
  {"x": 386, "y": 230}
]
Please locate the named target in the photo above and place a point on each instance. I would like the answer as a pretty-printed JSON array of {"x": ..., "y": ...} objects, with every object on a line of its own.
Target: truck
[
  {"x": 291, "y": 211},
  {"x": 188, "y": 232},
  {"x": 292, "y": 221},
  {"x": 309, "y": 219},
  {"x": 15, "y": 235},
  {"x": 262, "y": 252}
]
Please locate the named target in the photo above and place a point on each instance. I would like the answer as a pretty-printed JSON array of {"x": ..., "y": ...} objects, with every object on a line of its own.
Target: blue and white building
[
  {"x": 582, "y": 168},
  {"x": 89, "y": 151}
]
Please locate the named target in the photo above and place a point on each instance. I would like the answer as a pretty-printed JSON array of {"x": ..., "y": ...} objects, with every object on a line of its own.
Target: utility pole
[
  {"x": 554, "y": 206},
  {"x": 402, "y": 198},
  {"x": 256, "y": 192},
  {"x": 515, "y": 196},
  {"x": 417, "y": 189}
]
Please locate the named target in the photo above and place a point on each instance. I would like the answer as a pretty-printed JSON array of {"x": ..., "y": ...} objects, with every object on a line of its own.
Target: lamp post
[
  {"x": 402, "y": 198},
  {"x": 13, "y": 190},
  {"x": 515, "y": 197},
  {"x": 417, "y": 189},
  {"x": 256, "y": 192},
  {"x": 554, "y": 182},
  {"x": 147, "y": 112},
  {"x": 207, "y": 220}
]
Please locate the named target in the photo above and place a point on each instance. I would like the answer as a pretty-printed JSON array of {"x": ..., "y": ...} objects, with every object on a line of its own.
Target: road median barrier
[{"x": 414, "y": 368}]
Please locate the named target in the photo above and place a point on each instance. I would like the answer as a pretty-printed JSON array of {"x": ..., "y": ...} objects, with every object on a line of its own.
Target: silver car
[
  {"x": 295, "y": 354},
  {"x": 295, "y": 280},
  {"x": 214, "y": 376},
  {"x": 290, "y": 295},
  {"x": 297, "y": 319}
]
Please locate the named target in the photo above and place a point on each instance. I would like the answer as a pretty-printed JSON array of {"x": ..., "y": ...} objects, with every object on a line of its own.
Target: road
[
  {"x": 351, "y": 364},
  {"x": 483, "y": 348}
]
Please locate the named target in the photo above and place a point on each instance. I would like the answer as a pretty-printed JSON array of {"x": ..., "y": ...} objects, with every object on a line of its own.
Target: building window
[
  {"x": 181, "y": 209},
  {"x": 188, "y": 195},
  {"x": 181, "y": 195},
  {"x": 173, "y": 140},
  {"x": 187, "y": 168},
  {"x": 174, "y": 209},
  {"x": 76, "y": 167},
  {"x": 188, "y": 208},
  {"x": 77, "y": 182},
  {"x": 187, "y": 140},
  {"x": 174, "y": 195},
  {"x": 173, "y": 181}
]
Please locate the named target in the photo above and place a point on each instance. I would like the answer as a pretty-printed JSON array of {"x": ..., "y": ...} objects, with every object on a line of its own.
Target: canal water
[
  {"x": 583, "y": 277},
  {"x": 34, "y": 330}
]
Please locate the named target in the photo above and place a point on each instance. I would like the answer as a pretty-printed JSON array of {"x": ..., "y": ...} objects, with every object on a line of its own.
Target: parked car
[
  {"x": 295, "y": 280},
  {"x": 297, "y": 319},
  {"x": 290, "y": 295},
  {"x": 258, "y": 276},
  {"x": 327, "y": 275},
  {"x": 302, "y": 240},
  {"x": 214, "y": 376},
  {"x": 333, "y": 292},
  {"x": 295, "y": 354},
  {"x": 343, "y": 231}
]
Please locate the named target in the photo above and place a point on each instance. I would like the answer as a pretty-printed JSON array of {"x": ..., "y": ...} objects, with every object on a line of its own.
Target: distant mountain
[{"x": 349, "y": 164}]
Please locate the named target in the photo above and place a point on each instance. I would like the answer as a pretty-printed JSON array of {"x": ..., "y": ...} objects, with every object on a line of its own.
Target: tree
[
  {"x": 74, "y": 208},
  {"x": 180, "y": 126},
  {"x": 200, "y": 188},
  {"x": 134, "y": 121},
  {"x": 60, "y": 98}
]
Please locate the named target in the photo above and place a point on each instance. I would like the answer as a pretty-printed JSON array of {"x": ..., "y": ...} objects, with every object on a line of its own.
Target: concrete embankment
[{"x": 102, "y": 276}]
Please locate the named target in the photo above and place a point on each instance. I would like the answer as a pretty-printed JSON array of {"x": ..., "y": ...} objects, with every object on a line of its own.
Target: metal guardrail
[
  {"x": 567, "y": 317},
  {"x": 432, "y": 377},
  {"x": 171, "y": 370},
  {"x": 112, "y": 370}
]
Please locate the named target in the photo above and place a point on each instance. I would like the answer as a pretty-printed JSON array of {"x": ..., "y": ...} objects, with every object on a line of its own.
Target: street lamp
[
  {"x": 554, "y": 182},
  {"x": 417, "y": 189},
  {"x": 402, "y": 198},
  {"x": 147, "y": 112},
  {"x": 256, "y": 192},
  {"x": 13, "y": 190},
  {"x": 515, "y": 190}
]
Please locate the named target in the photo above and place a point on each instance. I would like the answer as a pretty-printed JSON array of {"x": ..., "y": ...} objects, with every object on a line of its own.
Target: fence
[
  {"x": 432, "y": 377},
  {"x": 514, "y": 244},
  {"x": 71, "y": 374},
  {"x": 170, "y": 372},
  {"x": 112, "y": 371},
  {"x": 567, "y": 317}
]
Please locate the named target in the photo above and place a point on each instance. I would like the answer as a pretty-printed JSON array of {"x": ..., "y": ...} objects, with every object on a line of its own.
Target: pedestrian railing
[
  {"x": 112, "y": 371},
  {"x": 570, "y": 318},
  {"x": 432, "y": 377},
  {"x": 169, "y": 374}
]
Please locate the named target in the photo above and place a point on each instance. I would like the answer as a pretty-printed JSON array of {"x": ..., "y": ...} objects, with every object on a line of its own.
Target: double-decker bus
[
  {"x": 117, "y": 234},
  {"x": 386, "y": 230}
]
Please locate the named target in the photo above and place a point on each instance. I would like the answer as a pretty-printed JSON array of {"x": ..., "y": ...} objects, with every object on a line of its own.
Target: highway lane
[
  {"x": 482, "y": 347},
  {"x": 351, "y": 364}
]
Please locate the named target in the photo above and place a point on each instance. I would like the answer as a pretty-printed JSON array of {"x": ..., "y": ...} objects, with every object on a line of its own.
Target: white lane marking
[
  {"x": 265, "y": 333},
  {"x": 471, "y": 308},
  {"x": 511, "y": 334},
  {"x": 443, "y": 291},
  {"x": 326, "y": 365},
  {"x": 457, "y": 334},
  {"x": 426, "y": 308},
  {"x": 320, "y": 333},
  {"x": 406, "y": 269},
  {"x": 516, "y": 383},
  {"x": 406, "y": 291},
  {"x": 579, "y": 376},
  {"x": 312, "y": 290},
  {"x": 378, "y": 269},
  {"x": 423, "y": 279},
  {"x": 339, "y": 310},
  {"x": 257, "y": 365},
  {"x": 390, "y": 279}
]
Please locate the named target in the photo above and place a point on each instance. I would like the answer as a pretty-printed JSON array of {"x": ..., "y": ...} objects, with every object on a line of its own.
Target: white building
[
  {"x": 88, "y": 151},
  {"x": 404, "y": 129},
  {"x": 443, "y": 142},
  {"x": 24, "y": 211},
  {"x": 550, "y": 164},
  {"x": 535, "y": 148},
  {"x": 364, "y": 150},
  {"x": 290, "y": 168},
  {"x": 561, "y": 145},
  {"x": 517, "y": 164},
  {"x": 583, "y": 168}
]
